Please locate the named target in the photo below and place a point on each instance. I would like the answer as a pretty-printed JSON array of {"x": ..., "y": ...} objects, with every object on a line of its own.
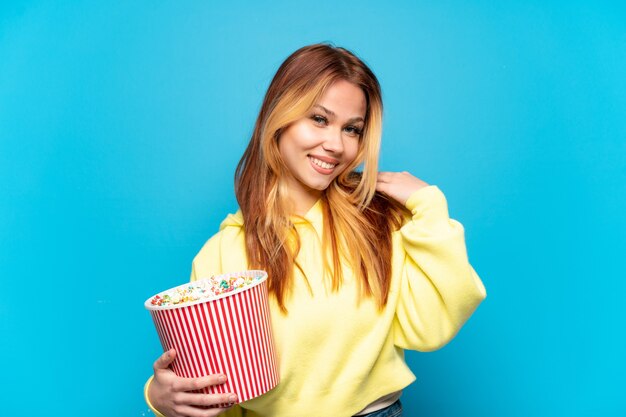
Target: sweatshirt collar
[{"x": 314, "y": 216}]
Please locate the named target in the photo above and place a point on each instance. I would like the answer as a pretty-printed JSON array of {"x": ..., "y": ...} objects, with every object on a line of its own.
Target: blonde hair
[{"x": 350, "y": 203}]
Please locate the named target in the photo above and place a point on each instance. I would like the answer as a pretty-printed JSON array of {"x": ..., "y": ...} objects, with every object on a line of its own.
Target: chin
[{"x": 320, "y": 186}]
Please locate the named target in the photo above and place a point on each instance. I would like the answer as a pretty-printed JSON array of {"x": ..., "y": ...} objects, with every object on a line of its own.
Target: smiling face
[{"x": 322, "y": 144}]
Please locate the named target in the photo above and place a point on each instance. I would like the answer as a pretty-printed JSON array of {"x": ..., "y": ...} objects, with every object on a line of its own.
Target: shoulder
[
  {"x": 233, "y": 220},
  {"x": 230, "y": 228},
  {"x": 224, "y": 251}
]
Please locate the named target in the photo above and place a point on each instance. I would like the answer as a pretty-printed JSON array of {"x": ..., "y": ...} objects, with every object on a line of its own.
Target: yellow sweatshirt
[{"x": 337, "y": 356}]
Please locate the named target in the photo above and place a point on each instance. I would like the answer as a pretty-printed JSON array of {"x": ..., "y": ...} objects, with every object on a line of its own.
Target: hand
[
  {"x": 169, "y": 394},
  {"x": 398, "y": 185}
]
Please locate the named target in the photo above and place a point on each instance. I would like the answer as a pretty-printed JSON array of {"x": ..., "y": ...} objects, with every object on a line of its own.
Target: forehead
[{"x": 345, "y": 99}]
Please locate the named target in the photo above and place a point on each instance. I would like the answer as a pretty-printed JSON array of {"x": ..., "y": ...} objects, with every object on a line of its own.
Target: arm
[{"x": 439, "y": 289}]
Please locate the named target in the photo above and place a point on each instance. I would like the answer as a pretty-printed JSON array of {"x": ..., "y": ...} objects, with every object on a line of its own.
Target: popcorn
[{"x": 203, "y": 289}]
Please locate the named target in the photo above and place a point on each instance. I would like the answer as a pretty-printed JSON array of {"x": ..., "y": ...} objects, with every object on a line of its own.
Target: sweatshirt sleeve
[
  {"x": 439, "y": 289},
  {"x": 145, "y": 395}
]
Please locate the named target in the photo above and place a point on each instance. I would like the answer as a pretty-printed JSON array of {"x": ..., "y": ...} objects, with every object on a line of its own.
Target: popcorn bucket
[{"x": 229, "y": 334}]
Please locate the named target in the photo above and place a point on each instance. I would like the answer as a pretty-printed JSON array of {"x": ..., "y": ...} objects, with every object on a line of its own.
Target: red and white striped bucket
[{"x": 229, "y": 334}]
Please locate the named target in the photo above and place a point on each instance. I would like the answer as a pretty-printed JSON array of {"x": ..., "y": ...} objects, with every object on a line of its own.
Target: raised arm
[{"x": 439, "y": 290}]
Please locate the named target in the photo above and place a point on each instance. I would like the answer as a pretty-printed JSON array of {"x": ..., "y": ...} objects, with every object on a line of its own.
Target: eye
[
  {"x": 354, "y": 131},
  {"x": 320, "y": 120}
]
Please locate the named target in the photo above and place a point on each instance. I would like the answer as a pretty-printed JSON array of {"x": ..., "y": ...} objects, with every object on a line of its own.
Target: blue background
[{"x": 121, "y": 124}]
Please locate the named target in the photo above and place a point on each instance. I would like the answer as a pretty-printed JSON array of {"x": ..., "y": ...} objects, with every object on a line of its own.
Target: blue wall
[{"x": 121, "y": 125}]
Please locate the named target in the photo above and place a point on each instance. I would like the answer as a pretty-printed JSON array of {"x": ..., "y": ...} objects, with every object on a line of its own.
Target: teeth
[{"x": 322, "y": 164}]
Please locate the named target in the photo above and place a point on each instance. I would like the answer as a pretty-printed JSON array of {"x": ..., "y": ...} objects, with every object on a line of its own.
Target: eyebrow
[{"x": 332, "y": 113}]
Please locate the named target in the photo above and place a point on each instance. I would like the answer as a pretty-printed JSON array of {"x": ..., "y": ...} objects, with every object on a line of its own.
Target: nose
[{"x": 333, "y": 142}]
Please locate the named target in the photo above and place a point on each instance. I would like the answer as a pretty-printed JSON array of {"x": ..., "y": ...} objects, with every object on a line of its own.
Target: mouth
[{"x": 323, "y": 167}]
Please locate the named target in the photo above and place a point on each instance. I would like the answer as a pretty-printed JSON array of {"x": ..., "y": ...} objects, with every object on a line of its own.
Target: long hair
[{"x": 351, "y": 205}]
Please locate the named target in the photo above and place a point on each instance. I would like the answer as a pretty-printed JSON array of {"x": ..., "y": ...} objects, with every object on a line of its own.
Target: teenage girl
[{"x": 361, "y": 264}]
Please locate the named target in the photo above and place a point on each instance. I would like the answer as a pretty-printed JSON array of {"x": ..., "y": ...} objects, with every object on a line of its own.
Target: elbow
[
  {"x": 437, "y": 340},
  {"x": 439, "y": 336}
]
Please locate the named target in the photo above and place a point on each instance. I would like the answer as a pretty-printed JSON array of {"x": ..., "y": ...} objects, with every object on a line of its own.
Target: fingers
[
  {"x": 386, "y": 176},
  {"x": 165, "y": 360},
  {"x": 382, "y": 187},
  {"x": 187, "y": 398},
  {"x": 384, "y": 180},
  {"x": 190, "y": 411},
  {"x": 191, "y": 384},
  {"x": 174, "y": 396},
  {"x": 398, "y": 185}
]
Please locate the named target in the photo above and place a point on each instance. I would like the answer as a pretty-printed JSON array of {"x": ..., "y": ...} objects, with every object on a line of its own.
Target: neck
[
  {"x": 301, "y": 199},
  {"x": 301, "y": 206}
]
